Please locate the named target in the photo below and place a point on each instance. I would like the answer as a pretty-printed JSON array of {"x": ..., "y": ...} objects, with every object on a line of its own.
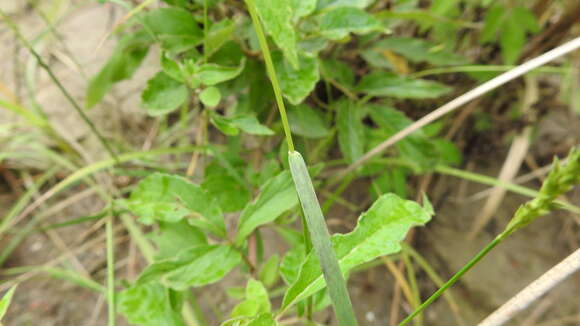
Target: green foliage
[
  {"x": 150, "y": 304},
  {"x": 511, "y": 24},
  {"x": 389, "y": 84},
  {"x": 193, "y": 267},
  {"x": 296, "y": 83},
  {"x": 174, "y": 28},
  {"x": 276, "y": 15},
  {"x": 276, "y": 197},
  {"x": 307, "y": 122},
  {"x": 379, "y": 232},
  {"x": 210, "y": 96},
  {"x": 5, "y": 301},
  {"x": 163, "y": 94},
  {"x": 127, "y": 57},
  {"x": 418, "y": 50},
  {"x": 338, "y": 23},
  {"x": 350, "y": 130},
  {"x": 171, "y": 198}
]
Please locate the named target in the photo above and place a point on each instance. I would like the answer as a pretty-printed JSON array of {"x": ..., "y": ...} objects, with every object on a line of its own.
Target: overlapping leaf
[
  {"x": 150, "y": 304},
  {"x": 388, "y": 84},
  {"x": 277, "y": 15},
  {"x": 296, "y": 83},
  {"x": 379, "y": 232}
]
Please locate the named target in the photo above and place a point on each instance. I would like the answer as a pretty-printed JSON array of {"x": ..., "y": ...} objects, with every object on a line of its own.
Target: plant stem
[
  {"x": 111, "y": 271},
  {"x": 271, "y": 71},
  {"x": 454, "y": 279}
]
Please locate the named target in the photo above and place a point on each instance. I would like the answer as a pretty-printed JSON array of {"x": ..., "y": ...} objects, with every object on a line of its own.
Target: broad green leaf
[
  {"x": 150, "y": 305},
  {"x": 269, "y": 273},
  {"x": 337, "y": 71},
  {"x": 492, "y": 23},
  {"x": 175, "y": 28},
  {"x": 230, "y": 194},
  {"x": 276, "y": 15},
  {"x": 212, "y": 74},
  {"x": 163, "y": 94},
  {"x": 388, "y": 84},
  {"x": 251, "y": 125},
  {"x": 174, "y": 237},
  {"x": 296, "y": 84},
  {"x": 5, "y": 301},
  {"x": 326, "y": 4},
  {"x": 379, "y": 232},
  {"x": 256, "y": 302},
  {"x": 419, "y": 50},
  {"x": 512, "y": 40},
  {"x": 276, "y": 197},
  {"x": 193, "y": 267},
  {"x": 219, "y": 34},
  {"x": 291, "y": 262},
  {"x": 171, "y": 198},
  {"x": 303, "y": 8},
  {"x": 338, "y": 23},
  {"x": 327, "y": 261},
  {"x": 350, "y": 130},
  {"x": 210, "y": 96},
  {"x": 126, "y": 58},
  {"x": 306, "y": 122},
  {"x": 416, "y": 147},
  {"x": 224, "y": 124},
  {"x": 526, "y": 18},
  {"x": 265, "y": 319}
]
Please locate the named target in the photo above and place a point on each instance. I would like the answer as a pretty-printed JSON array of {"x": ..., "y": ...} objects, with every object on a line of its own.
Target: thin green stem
[
  {"x": 454, "y": 278},
  {"x": 498, "y": 183},
  {"x": 111, "y": 271},
  {"x": 57, "y": 82},
  {"x": 271, "y": 71}
]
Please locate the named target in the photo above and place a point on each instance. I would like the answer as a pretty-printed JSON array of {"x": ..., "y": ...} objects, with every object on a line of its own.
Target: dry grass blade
[
  {"x": 535, "y": 290},
  {"x": 321, "y": 241},
  {"x": 465, "y": 98}
]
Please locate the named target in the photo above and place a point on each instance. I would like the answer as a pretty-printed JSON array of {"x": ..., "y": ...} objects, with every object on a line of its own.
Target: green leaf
[
  {"x": 337, "y": 71},
  {"x": 350, "y": 130},
  {"x": 338, "y": 23},
  {"x": 512, "y": 41},
  {"x": 126, "y": 58},
  {"x": 5, "y": 301},
  {"x": 388, "y": 84},
  {"x": 269, "y": 273},
  {"x": 493, "y": 21},
  {"x": 256, "y": 302},
  {"x": 150, "y": 305},
  {"x": 174, "y": 237},
  {"x": 296, "y": 84},
  {"x": 230, "y": 194},
  {"x": 210, "y": 96},
  {"x": 266, "y": 319},
  {"x": 276, "y": 197},
  {"x": 416, "y": 147},
  {"x": 303, "y": 8},
  {"x": 326, "y": 4},
  {"x": 419, "y": 50},
  {"x": 193, "y": 267},
  {"x": 290, "y": 266},
  {"x": 175, "y": 28},
  {"x": 212, "y": 74},
  {"x": 379, "y": 232},
  {"x": 219, "y": 33},
  {"x": 171, "y": 198},
  {"x": 276, "y": 15},
  {"x": 251, "y": 125},
  {"x": 224, "y": 124},
  {"x": 526, "y": 18},
  {"x": 163, "y": 94},
  {"x": 306, "y": 122},
  {"x": 321, "y": 244}
]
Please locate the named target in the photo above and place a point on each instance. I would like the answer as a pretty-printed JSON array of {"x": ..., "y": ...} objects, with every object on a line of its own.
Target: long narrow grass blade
[{"x": 321, "y": 241}]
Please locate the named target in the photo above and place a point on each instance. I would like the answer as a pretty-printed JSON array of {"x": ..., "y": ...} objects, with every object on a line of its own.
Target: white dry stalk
[
  {"x": 513, "y": 162},
  {"x": 467, "y": 97},
  {"x": 532, "y": 292}
]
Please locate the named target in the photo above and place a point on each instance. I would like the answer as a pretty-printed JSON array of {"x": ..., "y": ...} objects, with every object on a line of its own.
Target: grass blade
[
  {"x": 321, "y": 241},
  {"x": 5, "y": 301}
]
